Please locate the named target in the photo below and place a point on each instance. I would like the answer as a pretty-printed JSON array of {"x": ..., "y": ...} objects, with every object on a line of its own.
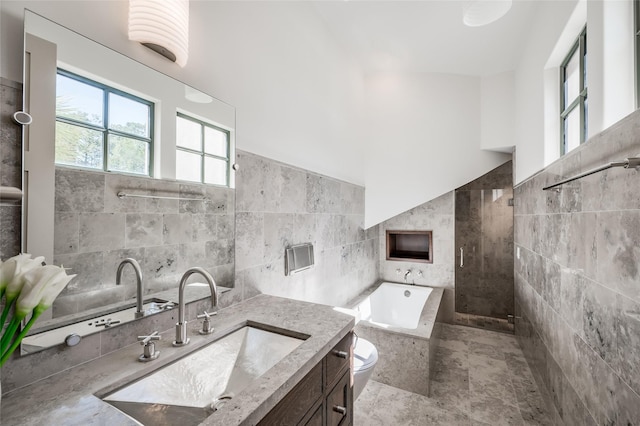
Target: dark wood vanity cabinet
[{"x": 324, "y": 397}]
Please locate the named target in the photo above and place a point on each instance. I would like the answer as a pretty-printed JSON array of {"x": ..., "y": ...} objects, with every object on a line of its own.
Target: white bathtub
[
  {"x": 400, "y": 321},
  {"x": 394, "y": 305}
]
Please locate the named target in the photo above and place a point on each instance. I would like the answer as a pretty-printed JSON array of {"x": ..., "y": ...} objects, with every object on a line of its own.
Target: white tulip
[
  {"x": 24, "y": 263},
  {"x": 7, "y": 271},
  {"x": 35, "y": 287},
  {"x": 41, "y": 287}
]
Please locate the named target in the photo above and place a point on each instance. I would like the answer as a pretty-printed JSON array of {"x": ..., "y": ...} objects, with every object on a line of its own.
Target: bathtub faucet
[{"x": 406, "y": 275}]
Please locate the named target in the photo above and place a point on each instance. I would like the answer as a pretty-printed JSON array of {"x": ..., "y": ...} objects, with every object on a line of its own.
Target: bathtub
[
  {"x": 400, "y": 320},
  {"x": 394, "y": 305}
]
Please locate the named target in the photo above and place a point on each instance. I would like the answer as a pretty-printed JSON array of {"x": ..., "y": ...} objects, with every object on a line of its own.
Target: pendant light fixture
[
  {"x": 161, "y": 25},
  {"x": 477, "y": 13}
]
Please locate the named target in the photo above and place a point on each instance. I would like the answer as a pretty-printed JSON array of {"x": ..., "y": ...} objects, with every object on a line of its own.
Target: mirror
[{"x": 79, "y": 217}]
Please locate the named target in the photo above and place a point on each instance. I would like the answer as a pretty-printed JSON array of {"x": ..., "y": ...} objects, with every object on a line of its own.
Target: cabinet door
[
  {"x": 338, "y": 359},
  {"x": 339, "y": 401},
  {"x": 316, "y": 418},
  {"x": 296, "y": 404}
]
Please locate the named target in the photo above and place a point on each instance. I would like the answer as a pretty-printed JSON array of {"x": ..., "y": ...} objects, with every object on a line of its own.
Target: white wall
[
  {"x": 610, "y": 70},
  {"x": 298, "y": 96},
  {"x": 497, "y": 112},
  {"x": 618, "y": 94},
  {"x": 423, "y": 140}
]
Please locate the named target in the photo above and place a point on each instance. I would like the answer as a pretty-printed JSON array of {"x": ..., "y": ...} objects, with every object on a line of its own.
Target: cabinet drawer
[
  {"x": 339, "y": 402},
  {"x": 297, "y": 402},
  {"x": 338, "y": 359}
]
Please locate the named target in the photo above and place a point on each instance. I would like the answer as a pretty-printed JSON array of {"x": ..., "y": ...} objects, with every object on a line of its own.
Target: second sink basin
[{"x": 199, "y": 383}]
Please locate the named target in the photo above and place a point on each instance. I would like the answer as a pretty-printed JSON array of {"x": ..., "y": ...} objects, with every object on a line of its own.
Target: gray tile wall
[
  {"x": 279, "y": 205},
  {"x": 10, "y": 166},
  {"x": 578, "y": 281},
  {"x": 95, "y": 230},
  {"x": 438, "y": 216}
]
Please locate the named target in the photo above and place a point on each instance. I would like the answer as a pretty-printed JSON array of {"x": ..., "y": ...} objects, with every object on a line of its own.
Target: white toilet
[{"x": 365, "y": 357}]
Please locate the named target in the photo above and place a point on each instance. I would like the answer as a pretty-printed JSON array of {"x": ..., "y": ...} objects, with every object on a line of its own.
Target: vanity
[{"x": 310, "y": 385}]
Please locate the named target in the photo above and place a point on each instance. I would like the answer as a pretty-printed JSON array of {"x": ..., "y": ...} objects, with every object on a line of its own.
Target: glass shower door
[{"x": 484, "y": 257}]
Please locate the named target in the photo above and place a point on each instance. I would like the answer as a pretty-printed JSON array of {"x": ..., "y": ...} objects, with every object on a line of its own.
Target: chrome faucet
[
  {"x": 136, "y": 267},
  {"x": 406, "y": 275},
  {"x": 181, "y": 325}
]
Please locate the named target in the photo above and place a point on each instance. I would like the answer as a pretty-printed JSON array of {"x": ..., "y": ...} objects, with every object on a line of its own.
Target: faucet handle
[
  {"x": 206, "y": 324},
  {"x": 149, "y": 351},
  {"x": 206, "y": 314},
  {"x": 144, "y": 340}
]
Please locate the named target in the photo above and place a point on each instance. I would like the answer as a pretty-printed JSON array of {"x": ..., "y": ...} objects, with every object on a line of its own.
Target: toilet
[{"x": 365, "y": 357}]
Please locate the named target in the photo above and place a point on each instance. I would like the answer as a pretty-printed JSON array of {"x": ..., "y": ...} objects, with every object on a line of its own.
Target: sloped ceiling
[
  {"x": 423, "y": 85},
  {"x": 426, "y": 36}
]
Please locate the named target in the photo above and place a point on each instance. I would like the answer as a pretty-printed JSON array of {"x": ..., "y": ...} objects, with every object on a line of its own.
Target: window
[
  {"x": 99, "y": 127},
  {"x": 202, "y": 151},
  {"x": 574, "y": 106}
]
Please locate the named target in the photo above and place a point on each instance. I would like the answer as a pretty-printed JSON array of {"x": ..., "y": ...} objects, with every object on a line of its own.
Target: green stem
[
  {"x": 7, "y": 337},
  {"x": 23, "y": 332},
  {"x": 7, "y": 308}
]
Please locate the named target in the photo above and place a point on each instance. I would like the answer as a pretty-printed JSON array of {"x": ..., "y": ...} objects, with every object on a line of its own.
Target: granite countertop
[{"x": 67, "y": 398}]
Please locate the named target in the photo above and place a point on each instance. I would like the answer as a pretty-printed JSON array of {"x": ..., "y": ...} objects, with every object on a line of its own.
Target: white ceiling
[{"x": 426, "y": 36}]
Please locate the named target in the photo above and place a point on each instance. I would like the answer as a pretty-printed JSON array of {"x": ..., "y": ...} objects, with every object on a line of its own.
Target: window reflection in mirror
[
  {"x": 202, "y": 151},
  {"x": 99, "y": 127}
]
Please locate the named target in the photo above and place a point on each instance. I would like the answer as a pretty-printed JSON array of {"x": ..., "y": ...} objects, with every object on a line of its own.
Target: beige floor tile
[{"x": 480, "y": 378}]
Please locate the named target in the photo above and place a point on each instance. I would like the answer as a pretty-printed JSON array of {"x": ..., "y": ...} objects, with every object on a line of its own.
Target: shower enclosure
[{"x": 484, "y": 251}]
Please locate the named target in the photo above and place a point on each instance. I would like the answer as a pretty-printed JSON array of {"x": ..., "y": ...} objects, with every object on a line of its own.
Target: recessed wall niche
[{"x": 412, "y": 246}]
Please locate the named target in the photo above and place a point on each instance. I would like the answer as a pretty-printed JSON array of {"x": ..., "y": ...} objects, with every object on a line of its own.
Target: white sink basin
[{"x": 199, "y": 383}]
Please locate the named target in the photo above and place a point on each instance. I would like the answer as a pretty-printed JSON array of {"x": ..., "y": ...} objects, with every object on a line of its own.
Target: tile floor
[{"x": 480, "y": 378}]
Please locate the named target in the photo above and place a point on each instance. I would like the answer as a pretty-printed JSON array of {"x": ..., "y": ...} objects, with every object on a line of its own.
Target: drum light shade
[{"x": 161, "y": 25}]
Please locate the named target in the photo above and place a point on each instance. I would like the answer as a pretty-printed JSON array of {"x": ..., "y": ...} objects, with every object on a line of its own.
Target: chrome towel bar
[
  {"x": 632, "y": 162},
  {"x": 159, "y": 197}
]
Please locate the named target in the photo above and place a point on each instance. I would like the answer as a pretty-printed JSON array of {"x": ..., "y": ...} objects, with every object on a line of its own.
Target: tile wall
[
  {"x": 577, "y": 271},
  {"x": 278, "y": 206},
  {"x": 438, "y": 216},
  {"x": 95, "y": 230}
]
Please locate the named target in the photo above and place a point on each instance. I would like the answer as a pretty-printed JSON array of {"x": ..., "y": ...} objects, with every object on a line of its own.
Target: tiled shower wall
[
  {"x": 10, "y": 166},
  {"x": 577, "y": 271},
  {"x": 278, "y": 206},
  {"x": 438, "y": 216},
  {"x": 95, "y": 230}
]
